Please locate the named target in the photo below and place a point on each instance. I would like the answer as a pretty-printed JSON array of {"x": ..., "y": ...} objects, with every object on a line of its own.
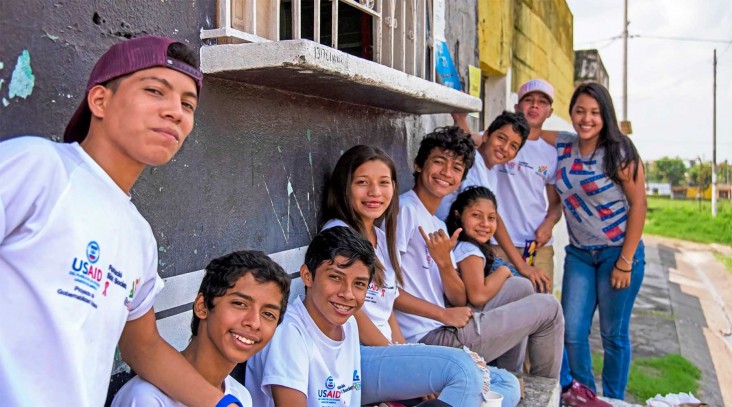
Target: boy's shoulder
[
  {"x": 410, "y": 205},
  {"x": 139, "y": 392},
  {"x": 33, "y": 147},
  {"x": 408, "y": 198}
]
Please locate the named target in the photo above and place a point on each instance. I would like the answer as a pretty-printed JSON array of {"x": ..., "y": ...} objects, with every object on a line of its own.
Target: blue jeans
[
  {"x": 498, "y": 262},
  {"x": 586, "y": 287},
  {"x": 402, "y": 372}
]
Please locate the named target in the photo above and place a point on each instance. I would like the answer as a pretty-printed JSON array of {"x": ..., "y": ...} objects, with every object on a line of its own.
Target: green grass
[
  {"x": 683, "y": 219},
  {"x": 727, "y": 261},
  {"x": 658, "y": 375}
]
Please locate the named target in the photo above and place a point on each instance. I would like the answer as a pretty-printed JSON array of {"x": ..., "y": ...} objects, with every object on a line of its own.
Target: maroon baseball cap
[{"x": 122, "y": 59}]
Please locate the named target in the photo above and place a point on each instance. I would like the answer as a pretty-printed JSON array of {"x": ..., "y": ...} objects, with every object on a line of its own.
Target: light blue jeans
[
  {"x": 403, "y": 372},
  {"x": 586, "y": 287}
]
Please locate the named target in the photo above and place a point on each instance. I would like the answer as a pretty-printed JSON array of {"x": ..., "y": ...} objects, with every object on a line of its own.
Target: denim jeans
[
  {"x": 402, "y": 372},
  {"x": 586, "y": 287}
]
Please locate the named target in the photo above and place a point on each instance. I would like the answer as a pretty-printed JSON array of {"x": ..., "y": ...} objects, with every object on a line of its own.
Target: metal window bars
[{"x": 399, "y": 28}]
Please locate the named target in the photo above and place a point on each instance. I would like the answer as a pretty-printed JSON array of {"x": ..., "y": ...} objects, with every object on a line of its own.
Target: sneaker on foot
[{"x": 581, "y": 396}]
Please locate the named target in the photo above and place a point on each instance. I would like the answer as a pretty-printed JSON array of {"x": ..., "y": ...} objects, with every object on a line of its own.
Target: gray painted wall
[{"x": 252, "y": 172}]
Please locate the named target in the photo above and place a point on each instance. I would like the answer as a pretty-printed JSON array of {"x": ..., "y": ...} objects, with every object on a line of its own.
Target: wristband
[
  {"x": 624, "y": 271},
  {"x": 628, "y": 262},
  {"x": 228, "y": 399}
]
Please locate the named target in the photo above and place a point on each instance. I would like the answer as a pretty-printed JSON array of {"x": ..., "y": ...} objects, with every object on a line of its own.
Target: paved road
[{"x": 684, "y": 306}]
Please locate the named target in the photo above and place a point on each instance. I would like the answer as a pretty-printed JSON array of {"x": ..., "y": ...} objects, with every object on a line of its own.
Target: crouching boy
[
  {"x": 241, "y": 301},
  {"x": 314, "y": 357}
]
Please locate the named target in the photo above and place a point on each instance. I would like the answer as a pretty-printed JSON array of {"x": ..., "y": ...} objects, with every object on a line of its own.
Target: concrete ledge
[
  {"x": 540, "y": 392},
  {"x": 309, "y": 68}
]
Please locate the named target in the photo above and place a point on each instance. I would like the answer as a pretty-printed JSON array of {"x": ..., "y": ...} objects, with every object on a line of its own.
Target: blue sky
[{"x": 669, "y": 82}]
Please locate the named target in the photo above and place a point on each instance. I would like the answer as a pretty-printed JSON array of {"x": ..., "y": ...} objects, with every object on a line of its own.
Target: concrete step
[{"x": 540, "y": 392}]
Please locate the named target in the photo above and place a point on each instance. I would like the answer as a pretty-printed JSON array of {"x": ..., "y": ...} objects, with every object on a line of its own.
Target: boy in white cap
[
  {"x": 528, "y": 214},
  {"x": 522, "y": 181},
  {"x": 78, "y": 263}
]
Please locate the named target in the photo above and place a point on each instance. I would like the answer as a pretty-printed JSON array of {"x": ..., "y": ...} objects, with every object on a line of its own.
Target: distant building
[
  {"x": 657, "y": 188},
  {"x": 588, "y": 67},
  {"x": 724, "y": 191}
]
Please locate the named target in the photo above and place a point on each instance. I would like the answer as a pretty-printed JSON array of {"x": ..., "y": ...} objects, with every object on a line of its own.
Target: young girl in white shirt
[
  {"x": 512, "y": 308},
  {"x": 476, "y": 211},
  {"x": 362, "y": 194}
]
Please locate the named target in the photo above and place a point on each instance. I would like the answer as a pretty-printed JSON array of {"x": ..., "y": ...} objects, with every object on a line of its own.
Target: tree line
[{"x": 676, "y": 172}]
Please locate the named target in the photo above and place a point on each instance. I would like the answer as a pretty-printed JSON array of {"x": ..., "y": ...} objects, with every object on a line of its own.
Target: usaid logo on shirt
[
  {"x": 86, "y": 276},
  {"x": 84, "y": 271},
  {"x": 92, "y": 252},
  {"x": 329, "y": 395}
]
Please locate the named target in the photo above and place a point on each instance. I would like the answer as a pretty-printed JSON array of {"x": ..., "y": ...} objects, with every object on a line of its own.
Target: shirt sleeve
[
  {"x": 32, "y": 176},
  {"x": 463, "y": 250},
  {"x": 148, "y": 290},
  {"x": 288, "y": 360},
  {"x": 406, "y": 223}
]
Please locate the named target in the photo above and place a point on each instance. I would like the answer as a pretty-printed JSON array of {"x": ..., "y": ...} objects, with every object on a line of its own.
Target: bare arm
[
  {"x": 553, "y": 214},
  {"x": 396, "y": 331},
  {"x": 635, "y": 192},
  {"x": 160, "y": 364},
  {"x": 481, "y": 289},
  {"x": 368, "y": 333},
  {"x": 550, "y": 136},
  {"x": 537, "y": 276},
  {"x": 461, "y": 120},
  {"x": 440, "y": 246},
  {"x": 287, "y": 397},
  {"x": 455, "y": 316}
]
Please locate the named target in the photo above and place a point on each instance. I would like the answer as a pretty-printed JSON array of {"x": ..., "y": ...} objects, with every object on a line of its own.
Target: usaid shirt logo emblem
[
  {"x": 329, "y": 383},
  {"x": 92, "y": 252}
]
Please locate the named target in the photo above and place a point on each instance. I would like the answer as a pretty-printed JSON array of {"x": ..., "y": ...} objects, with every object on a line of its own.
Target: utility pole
[
  {"x": 625, "y": 125},
  {"x": 625, "y": 63},
  {"x": 714, "y": 141}
]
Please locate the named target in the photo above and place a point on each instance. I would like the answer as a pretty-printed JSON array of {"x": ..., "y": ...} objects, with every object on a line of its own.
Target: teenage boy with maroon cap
[{"x": 78, "y": 263}]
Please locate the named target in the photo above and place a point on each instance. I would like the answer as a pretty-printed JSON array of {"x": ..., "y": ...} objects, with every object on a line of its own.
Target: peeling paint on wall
[
  {"x": 50, "y": 36},
  {"x": 22, "y": 81}
]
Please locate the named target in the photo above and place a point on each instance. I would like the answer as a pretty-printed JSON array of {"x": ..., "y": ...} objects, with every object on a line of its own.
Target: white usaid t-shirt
[
  {"x": 77, "y": 261},
  {"x": 478, "y": 174},
  {"x": 302, "y": 358},
  {"x": 421, "y": 275},
  {"x": 521, "y": 189},
  {"x": 463, "y": 250},
  {"x": 140, "y": 393},
  {"x": 379, "y": 300}
]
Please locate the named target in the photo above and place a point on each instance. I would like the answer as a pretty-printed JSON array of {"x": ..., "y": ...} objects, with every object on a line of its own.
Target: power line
[
  {"x": 656, "y": 37},
  {"x": 665, "y": 38}
]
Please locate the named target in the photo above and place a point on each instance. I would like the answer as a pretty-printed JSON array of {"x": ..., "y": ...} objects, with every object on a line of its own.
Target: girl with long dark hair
[{"x": 601, "y": 183}]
